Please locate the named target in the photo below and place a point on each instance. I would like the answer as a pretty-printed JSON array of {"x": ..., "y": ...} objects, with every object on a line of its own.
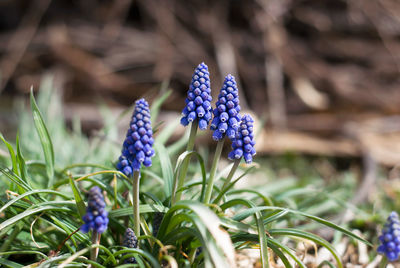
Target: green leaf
[
  {"x": 179, "y": 166},
  {"x": 207, "y": 224},
  {"x": 231, "y": 184},
  {"x": 166, "y": 168},
  {"x": 21, "y": 162},
  {"x": 121, "y": 212},
  {"x": 16, "y": 179},
  {"x": 244, "y": 214},
  {"x": 29, "y": 212},
  {"x": 152, "y": 260},
  {"x": 14, "y": 200},
  {"x": 12, "y": 154},
  {"x": 11, "y": 264},
  {"x": 280, "y": 254},
  {"x": 24, "y": 252},
  {"x": 309, "y": 236},
  {"x": 260, "y": 231},
  {"x": 273, "y": 242},
  {"x": 321, "y": 265},
  {"x": 44, "y": 137},
  {"x": 80, "y": 204}
]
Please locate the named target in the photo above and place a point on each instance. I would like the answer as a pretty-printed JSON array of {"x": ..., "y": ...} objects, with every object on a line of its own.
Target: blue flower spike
[
  {"x": 390, "y": 238},
  {"x": 226, "y": 114},
  {"x": 137, "y": 148},
  {"x": 130, "y": 241},
  {"x": 198, "y": 101},
  {"x": 243, "y": 143},
  {"x": 96, "y": 217}
]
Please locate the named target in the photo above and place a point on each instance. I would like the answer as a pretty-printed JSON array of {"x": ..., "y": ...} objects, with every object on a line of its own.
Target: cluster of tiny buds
[
  {"x": 130, "y": 241},
  {"x": 226, "y": 114},
  {"x": 243, "y": 143},
  {"x": 137, "y": 147},
  {"x": 198, "y": 101},
  {"x": 96, "y": 217},
  {"x": 390, "y": 238},
  {"x": 227, "y": 120}
]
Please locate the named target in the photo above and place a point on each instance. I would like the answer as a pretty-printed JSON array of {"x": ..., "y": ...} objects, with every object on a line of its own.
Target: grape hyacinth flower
[
  {"x": 243, "y": 143},
  {"x": 96, "y": 217},
  {"x": 198, "y": 112},
  {"x": 225, "y": 123},
  {"x": 226, "y": 114},
  {"x": 243, "y": 146},
  {"x": 130, "y": 241},
  {"x": 198, "y": 101},
  {"x": 390, "y": 238},
  {"x": 137, "y": 148}
]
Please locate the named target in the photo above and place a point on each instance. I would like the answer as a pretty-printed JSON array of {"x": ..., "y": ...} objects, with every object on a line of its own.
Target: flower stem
[
  {"x": 176, "y": 196},
  {"x": 95, "y": 241},
  {"x": 210, "y": 183},
  {"x": 228, "y": 179},
  {"x": 384, "y": 262},
  {"x": 135, "y": 196}
]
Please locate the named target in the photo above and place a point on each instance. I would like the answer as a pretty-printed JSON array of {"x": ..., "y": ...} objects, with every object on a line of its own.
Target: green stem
[
  {"x": 176, "y": 196},
  {"x": 228, "y": 179},
  {"x": 384, "y": 262},
  {"x": 95, "y": 241},
  {"x": 210, "y": 183},
  {"x": 135, "y": 201}
]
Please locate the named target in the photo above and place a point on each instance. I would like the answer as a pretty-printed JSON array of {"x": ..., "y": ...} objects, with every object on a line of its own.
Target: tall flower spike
[
  {"x": 226, "y": 114},
  {"x": 243, "y": 143},
  {"x": 130, "y": 241},
  {"x": 137, "y": 148},
  {"x": 390, "y": 238},
  {"x": 198, "y": 101},
  {"x": 96, "y": 217}
]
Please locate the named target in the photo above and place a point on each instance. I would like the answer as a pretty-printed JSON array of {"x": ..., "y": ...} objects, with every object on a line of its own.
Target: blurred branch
[{"x": 20, "y": 40}]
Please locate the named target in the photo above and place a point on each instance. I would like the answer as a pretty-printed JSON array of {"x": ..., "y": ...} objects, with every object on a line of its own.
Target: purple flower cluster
[
  {"x": 226, "y": 114},
  {"x": 137, "y": 148},
  {"x": 96, "y": 217},
  {"x": 243, "y": 143},
  {"x": 390, "y": 238},
  {"x": 198, "y": 101},
  {"x": 130, "y": 241}
]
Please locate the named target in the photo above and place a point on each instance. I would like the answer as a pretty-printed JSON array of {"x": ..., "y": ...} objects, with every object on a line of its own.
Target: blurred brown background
[{"x": 322, "y": 75}]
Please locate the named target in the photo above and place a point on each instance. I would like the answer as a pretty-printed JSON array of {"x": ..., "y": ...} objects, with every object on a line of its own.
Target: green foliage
[{"x": 50, "y": 170}]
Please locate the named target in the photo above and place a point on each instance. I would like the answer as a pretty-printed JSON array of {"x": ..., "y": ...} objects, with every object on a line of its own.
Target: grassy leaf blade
[
  {"x": 78, "y": 197},
  {"x": 166, "y": 168},
  {"x": 44, "y": 139},
  {"x": 12, "y": 154},
  {"x": 21, "y": 162}
]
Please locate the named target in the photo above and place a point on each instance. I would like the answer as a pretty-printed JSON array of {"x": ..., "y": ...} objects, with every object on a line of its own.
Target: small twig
[
  {"x": 19, "y": 42},
  {"x": 31, "y": 229},
  {"x": 66, "y": 239}
]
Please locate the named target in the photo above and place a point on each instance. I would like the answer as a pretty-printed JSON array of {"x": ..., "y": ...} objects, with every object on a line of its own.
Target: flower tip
[
  {"x": 203, "y": 124},
  {"x": 230, "y": 77}
]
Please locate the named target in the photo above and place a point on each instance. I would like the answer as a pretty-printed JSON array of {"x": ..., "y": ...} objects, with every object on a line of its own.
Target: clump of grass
[{"x": 201, "y": 218}]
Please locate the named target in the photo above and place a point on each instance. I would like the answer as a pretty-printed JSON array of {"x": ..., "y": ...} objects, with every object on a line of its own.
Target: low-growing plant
[{"x": 182, "y": 214}]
